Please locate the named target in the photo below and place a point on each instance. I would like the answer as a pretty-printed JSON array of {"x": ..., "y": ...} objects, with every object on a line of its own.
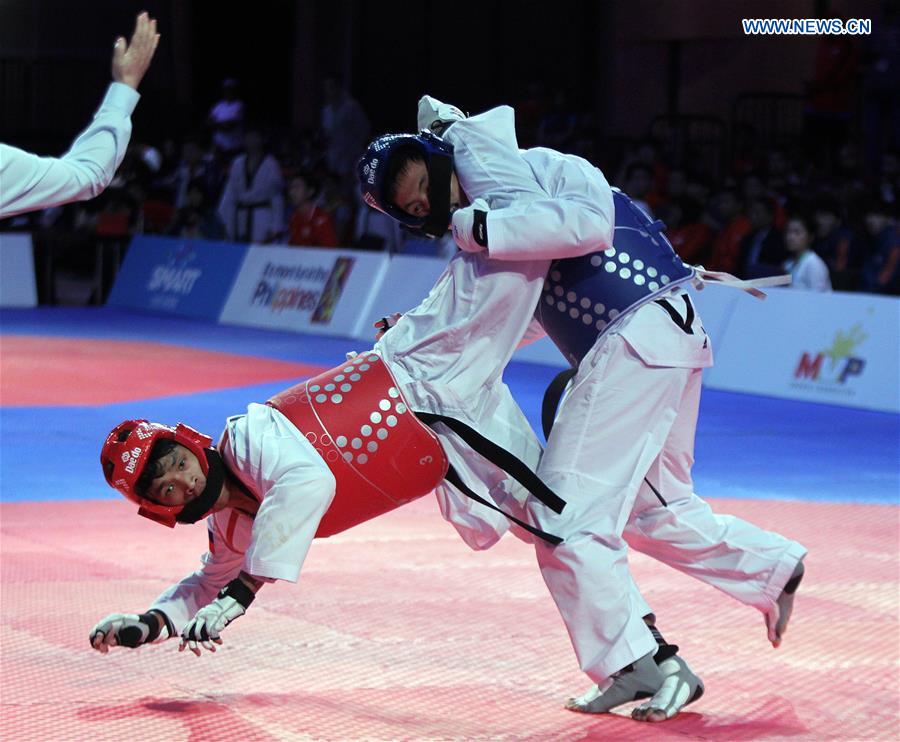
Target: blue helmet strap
[{"x": 440, "y": 168}]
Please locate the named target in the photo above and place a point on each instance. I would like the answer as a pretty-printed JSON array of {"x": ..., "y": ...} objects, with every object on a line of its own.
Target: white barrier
[
  {"x": 836, "y": 348},
  {"x": 17, "y": 287}
]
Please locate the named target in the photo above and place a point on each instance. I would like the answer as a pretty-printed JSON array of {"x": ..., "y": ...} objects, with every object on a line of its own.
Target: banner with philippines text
[
  {"x": 186, "y": 277},
  {"x": 17, "y": 286},
  {"x": 319, "y": 290},
  {"x": 834, "y": 348}
]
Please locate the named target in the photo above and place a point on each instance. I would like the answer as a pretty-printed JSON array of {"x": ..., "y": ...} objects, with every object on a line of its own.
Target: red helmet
[{"x": 127, "y": 450}]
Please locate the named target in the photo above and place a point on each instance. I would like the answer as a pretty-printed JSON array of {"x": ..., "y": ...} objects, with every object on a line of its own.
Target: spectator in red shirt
[
  {"x": 310, "y": 224},
  {"x": 686, "y": 231}
]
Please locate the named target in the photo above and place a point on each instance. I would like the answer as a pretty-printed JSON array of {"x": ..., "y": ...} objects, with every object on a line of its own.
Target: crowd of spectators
[
  {"x": 778, "y": 212},
  {"x": 829, "y": 220}
]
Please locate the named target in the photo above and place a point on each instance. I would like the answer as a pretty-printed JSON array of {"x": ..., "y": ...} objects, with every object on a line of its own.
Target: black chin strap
[
  {"x": 203, "y": 503},
  {"x": 438, "y": 220}
]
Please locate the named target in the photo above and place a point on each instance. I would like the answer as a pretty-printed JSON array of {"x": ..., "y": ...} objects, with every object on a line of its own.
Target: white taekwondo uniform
[
  {"x": 29, "y": 182},
  {"x": 252, "y": 203},
  {"x": 448, "y": 355},
  {"x": 631, "y": 411},
  {"x": 276, "y": 462}
]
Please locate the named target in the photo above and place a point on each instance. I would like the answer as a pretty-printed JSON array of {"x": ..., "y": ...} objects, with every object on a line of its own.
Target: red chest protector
[{"x": 380, "y": 453}]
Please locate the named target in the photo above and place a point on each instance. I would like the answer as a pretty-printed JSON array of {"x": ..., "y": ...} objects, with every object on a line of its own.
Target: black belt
[
  {"x": 502, "y": 458},
  {"x": 249, "y": 207},
  {"x": 685, "y": 324}
]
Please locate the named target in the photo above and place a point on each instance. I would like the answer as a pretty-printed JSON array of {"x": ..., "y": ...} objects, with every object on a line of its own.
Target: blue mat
[{"x": 747, "y": 446}]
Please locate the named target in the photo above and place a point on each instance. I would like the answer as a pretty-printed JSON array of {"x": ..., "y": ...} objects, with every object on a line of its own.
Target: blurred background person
[
  {"x": 310, "y": 224},
  {"x": 194, "y": 169},
  {"x": 762, "y": 250},
  {"x": 733, "y": 226},
  {"x": 807, "y": 269},
  {"x": 345, "y": 127},
  {"x": 252, "y": 204},
  {"x": 881, "y": 269},
  {"x": 687, "y": 232},
  {"x": 637, "y": 184},
  {"x": 197, "y": 218},
  {"x": 836, "y": 243},
  {"x": 226, "y": 120}
]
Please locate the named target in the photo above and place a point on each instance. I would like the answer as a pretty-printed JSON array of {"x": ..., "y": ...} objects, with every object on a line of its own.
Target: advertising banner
[
  {"x": 186, "y": 277},
  {"x": 836, "y": 348},
  {"x": 319, "y": 290}
]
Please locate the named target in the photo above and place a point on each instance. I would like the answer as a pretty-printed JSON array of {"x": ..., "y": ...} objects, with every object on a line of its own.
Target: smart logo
[
  {"x": 176, "y": 276},
  {"x": 835, "y": 365}
]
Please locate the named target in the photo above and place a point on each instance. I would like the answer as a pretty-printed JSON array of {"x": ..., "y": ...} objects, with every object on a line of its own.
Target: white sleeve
[
  {"x": 820, "y": 279},
  {"x": 219, "y": 566},
  {"x": 565, "y": 211},
  {"x": 550, "y": 228},
  {"x": 295, "y": 485},
  {"x": 29, "y": 182},
  {"x": 487, "y": 160}
]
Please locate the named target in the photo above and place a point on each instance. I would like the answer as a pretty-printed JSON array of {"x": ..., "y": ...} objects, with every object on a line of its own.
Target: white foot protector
[
  {"x": 680, "y": 688},
  {"x": 623, "y": 687}
]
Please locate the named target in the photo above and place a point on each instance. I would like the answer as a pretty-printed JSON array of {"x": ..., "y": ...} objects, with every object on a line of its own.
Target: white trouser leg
[
  {"x": 608, "y": 636},
  {"x": 503, "y": 423},
  {"x": 744, "y": 561},
  {"x": 610, "y": 428}
]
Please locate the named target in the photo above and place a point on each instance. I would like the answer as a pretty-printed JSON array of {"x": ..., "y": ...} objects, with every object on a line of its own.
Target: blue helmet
[{"x": 438, "y": 154}]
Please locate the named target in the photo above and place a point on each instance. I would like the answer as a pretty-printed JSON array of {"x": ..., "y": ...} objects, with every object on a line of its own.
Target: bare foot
[{"x": 777, "y": 619}]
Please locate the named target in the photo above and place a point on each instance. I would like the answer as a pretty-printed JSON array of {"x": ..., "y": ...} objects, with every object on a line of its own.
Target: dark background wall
[{"x": 623, "y": 60}]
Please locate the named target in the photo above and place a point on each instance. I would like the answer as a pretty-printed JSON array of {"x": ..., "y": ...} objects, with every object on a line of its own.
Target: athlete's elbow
[
  {"x": 327, "y": 485},
  {"x": 100, "y": 180},
  {"x": 603, "y": 232},
  {"x": 592, "y": 234},
  {"x": 92, "y": 179}
]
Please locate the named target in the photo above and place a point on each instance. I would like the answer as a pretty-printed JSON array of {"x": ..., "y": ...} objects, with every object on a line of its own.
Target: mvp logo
[{"x": 842, "y": 363}]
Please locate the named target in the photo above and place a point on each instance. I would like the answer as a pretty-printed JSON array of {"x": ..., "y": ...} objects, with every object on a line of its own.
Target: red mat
[
  {"x": 47, "y": 371},
  {"x": 397, "y": 631}
]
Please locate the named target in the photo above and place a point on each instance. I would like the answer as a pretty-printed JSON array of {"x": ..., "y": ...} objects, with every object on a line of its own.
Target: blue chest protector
[{"x": 584, "y": 297}]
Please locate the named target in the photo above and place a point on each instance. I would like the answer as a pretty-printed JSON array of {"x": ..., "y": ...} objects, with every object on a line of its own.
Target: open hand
[{"x": 131, "y": 60}]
